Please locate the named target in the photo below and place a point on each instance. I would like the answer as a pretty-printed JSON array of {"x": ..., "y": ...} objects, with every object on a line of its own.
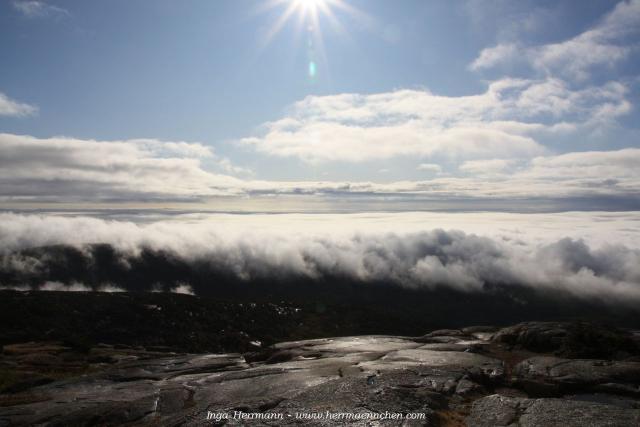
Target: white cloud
[
  {"x": 492, "y": 56},
  {"x": 38, "y": 9},
  {"x": 570, "y": 175},
  {"x": 75, "y": 287},
  {"x": 509, "y": 19},
  {"x": 64, "y": 170},
  {"x": 9, "y": 107},
  {"x": 600, "y": 171},
  {"x": 603, "y": 45},
  {"x": 486, "y": 167},
  {"x": 183, "y": 288},
  {"x": 227, "y": 166},
  {"x": 410, "y": 249},
  {"x": 72, "y": 169},
  {"x": 430, "y": 167},
  {"x": 502, "y": 122}
]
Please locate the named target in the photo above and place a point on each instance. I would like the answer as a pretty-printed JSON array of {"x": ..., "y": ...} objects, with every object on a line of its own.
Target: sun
[
  {"x": 310, "y": 6},
  {"x": 308, "y": 14}
]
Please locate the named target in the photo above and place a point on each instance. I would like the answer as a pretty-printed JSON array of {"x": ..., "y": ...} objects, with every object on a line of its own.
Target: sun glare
[
  {"x": 309, "y": 5},
  {"x": 309, "y": 14},
  {"x": 307, "y": 11}
]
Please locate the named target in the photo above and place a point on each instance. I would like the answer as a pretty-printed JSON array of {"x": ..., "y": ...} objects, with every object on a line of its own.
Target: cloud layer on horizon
[
  {"x": 66, "y": 170},
  {"x": 61, "y": 168},
  {"x": 415, "y": 258}
]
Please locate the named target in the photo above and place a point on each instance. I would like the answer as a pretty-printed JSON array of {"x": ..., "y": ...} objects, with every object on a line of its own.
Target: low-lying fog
[{"x": 591, "y": 254}]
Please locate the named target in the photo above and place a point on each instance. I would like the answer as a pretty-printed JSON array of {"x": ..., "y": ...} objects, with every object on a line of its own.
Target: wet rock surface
[
  {"x": 497, "y": 410},
  {"x": 474, "y": 376},
  {"x": 573, "y": 340}
]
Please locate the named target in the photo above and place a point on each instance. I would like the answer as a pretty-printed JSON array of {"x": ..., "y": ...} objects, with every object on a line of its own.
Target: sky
[
  {"x": 320, "y": 105},
  {"x": 422, "y": 143}
]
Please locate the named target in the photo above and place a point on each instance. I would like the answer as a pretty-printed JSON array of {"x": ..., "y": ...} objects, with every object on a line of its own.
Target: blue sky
[{"x": 187, "y": 101}]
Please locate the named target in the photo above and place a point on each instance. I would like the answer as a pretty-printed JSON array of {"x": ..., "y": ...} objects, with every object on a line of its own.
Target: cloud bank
[
  {"x": 67, "y": 170},
  {"x": 422, "y": 257},
  {"x": 59, "y": 168}
]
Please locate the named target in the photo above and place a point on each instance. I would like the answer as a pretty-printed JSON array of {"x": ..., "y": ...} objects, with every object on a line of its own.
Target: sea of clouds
[{"x": 592, "y": 255}]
